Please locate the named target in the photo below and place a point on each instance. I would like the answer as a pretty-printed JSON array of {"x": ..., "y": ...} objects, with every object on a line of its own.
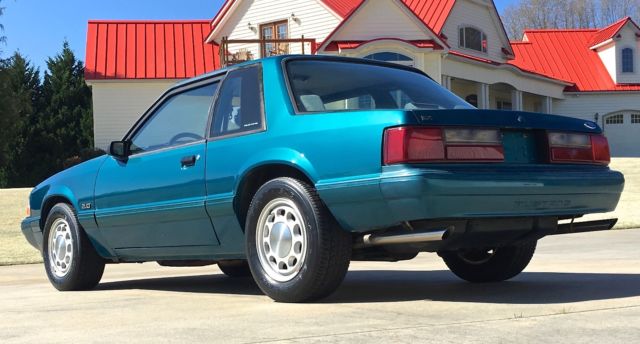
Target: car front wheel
[
  {"x": 296, "y": 250},
  {"x": 489, "y": 265},
  {"x": 70, "y": 260}
]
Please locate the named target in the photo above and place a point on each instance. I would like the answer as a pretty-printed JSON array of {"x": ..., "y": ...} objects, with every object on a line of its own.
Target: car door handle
[{"x": 188, "y": 161}]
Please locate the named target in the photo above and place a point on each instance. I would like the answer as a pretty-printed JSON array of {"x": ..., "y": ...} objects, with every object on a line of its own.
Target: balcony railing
[{"x": 233, "y": 51}]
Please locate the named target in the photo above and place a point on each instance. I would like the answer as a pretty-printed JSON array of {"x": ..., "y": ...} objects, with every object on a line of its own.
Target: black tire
[
  {"x": 479, "y": 266},
  {"x": 234, "y": 268},
  {"x": 327, "y": 248},
  {"x": 85, "y": 265}
]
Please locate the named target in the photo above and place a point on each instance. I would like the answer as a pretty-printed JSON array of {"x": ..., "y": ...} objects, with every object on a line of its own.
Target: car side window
[
  {"x": 239, "y": 106},
  {"x": 181, "y": 119}
]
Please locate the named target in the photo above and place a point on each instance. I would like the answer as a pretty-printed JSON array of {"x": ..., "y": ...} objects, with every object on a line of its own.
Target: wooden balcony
[{"x": 252, "y": 49}]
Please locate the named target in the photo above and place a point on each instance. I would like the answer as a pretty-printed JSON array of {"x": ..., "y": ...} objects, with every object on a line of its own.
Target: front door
[{"x": 156, "y": 197}]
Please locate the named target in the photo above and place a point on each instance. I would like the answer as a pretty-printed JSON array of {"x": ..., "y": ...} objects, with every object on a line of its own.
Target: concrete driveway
[{"x": 579, "y": 288}]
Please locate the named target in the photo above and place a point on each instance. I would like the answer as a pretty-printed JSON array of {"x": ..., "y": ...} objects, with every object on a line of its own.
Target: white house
[{"x": 592, "y": 74}]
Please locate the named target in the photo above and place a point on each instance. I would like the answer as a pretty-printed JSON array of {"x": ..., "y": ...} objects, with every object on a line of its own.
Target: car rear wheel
[
  {"x": 296, "y": 250},
  {"x": 234, "y": 268},
  {"x": 489, "y": 265},
  {"x": 70, "y": 260}
]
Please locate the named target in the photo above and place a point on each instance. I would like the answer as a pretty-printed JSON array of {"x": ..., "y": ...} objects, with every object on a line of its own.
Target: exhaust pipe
[{"x": 408, "y": 238}]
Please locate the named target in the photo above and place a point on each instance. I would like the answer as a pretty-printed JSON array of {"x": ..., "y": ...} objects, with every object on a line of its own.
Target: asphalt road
[{"x": 579, "y": 289}]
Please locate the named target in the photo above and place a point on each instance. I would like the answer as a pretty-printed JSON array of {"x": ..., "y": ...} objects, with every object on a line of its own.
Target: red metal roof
[
  {"x": 432, "y": 12},
  {"x": 149, "y": 50},
  {"x": 609, "y": 31},
  {"x": 342, "y": 7},
  {"x": 342, "y": 45},
  {"x": 566, "y": 55},
  {"x": 495, "y": 63}
]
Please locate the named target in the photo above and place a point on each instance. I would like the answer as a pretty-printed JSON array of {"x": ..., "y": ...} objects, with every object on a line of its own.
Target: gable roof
[
  {"x": 359, "y": 4},
  {"x": 432, "y": 13},
  {"x": 130, "y": 49},
  {"x": 566, "y": 55},
  {"x": 610, "y": 31}
]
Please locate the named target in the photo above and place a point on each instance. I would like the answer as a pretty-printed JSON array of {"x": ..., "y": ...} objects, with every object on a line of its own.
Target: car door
[
  {"x": 237, "y": 132},
  {"x": 155, "y": 198}
]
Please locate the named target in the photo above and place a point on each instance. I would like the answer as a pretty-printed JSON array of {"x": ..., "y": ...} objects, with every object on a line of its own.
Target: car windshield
[{"x": 321, "y": 86}]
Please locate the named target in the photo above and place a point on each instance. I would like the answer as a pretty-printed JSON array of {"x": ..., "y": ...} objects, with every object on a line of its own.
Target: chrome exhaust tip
[{"x": 405, "y": 238}]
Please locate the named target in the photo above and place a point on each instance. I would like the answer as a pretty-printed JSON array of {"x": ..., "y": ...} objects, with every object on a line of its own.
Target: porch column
[
  {"x": 483, "y": 96},
  {"x": 446, "y": 82},
  {"x": 547, "y": 105},
  {"x": 516, "y": 100}
]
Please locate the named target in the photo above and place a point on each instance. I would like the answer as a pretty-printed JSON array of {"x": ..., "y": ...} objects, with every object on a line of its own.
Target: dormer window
[
  {"x": 627, "y": 60},
  {"x": 472, "y": 38}
]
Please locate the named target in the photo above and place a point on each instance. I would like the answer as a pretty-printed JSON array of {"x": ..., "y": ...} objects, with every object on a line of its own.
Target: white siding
[
  {"x": 473, "y": 13},
  {"x": 314, "y": 21},
  {"x": 624, "y": 139},
  {"x": 608, "y": 56},
  {"x": 628, "y": 39},
  {"x": 117, "y": 105},
  {"x": 383, "y": 19}
]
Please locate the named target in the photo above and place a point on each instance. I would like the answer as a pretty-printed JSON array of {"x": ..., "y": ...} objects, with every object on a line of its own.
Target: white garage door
[{"x": 623, "y": 131}]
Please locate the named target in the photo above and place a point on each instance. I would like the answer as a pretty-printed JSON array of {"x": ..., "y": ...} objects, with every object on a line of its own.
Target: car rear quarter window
[
  {"x": 180, "y": 119},
  {"x": 333, "y": 85},
  {"x": 239, "y": 107}
]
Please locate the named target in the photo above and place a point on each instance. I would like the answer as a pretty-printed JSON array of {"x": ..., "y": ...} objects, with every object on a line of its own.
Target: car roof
[{"x": 279, "y": 58}]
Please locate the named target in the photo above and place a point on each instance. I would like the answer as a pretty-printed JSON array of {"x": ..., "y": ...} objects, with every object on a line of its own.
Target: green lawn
[
  {"x": 14, "y": 249},
  {"x": 627, "y": 212}
]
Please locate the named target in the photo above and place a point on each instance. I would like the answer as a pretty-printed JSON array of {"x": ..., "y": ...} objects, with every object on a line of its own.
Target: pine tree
[
  {"x": 66, "y": 122},
  {"x": 8, "y": 120},
  {"x": 24, "y": 81}
]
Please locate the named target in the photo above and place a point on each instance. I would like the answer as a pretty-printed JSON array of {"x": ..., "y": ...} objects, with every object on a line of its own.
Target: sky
[{"x": 37, "y": 28}]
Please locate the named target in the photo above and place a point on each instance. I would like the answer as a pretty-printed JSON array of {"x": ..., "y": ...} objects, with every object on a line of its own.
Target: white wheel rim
[
  {"x": 60, "y": 248},
  {"x": 281, "y": 240}
]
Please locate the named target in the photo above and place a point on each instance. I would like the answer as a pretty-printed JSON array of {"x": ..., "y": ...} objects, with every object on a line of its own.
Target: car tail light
[
  {"x": 578, "y": 148},
  {"x": 427, "y": 144}
]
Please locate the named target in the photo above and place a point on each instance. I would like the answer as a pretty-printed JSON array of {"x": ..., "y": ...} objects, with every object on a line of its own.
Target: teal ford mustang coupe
[{"x": 288, "y": 168}]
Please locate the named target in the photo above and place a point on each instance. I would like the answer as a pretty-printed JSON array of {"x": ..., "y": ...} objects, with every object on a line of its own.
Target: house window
[
  {"x": 627, "y": 60},
  {"x": 391, "y": 57},
  {"x": 277, "y": 30},
  {"x": 472, "y": 38},
  {"x": 614, "y": 119},
  {"x": 635, "y": 118}
]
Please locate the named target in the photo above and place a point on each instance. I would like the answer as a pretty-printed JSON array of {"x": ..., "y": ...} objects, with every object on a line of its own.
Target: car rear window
[{"x": 323, "y": 86}]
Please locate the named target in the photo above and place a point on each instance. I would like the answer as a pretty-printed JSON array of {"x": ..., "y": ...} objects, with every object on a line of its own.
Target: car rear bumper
[
  {"x": 455, "y": 192},
  {"x": 32, "y": 232}
]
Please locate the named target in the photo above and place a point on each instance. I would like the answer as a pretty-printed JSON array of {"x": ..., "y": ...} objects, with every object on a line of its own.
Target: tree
[
  {"x": 65, "y": 125},
  {"x": 8, "y": 120},
  {"x": 563, "y": 14},
  {"x": 24, "y": 81},
  {"x": 612, "y": 10}
]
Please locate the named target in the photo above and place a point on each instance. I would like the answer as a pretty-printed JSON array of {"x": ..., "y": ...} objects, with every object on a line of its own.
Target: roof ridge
[
  {"x": 618, "y": 22},
  {"x": 562, "y": 30},
  {"x": 146, "y": 21}
]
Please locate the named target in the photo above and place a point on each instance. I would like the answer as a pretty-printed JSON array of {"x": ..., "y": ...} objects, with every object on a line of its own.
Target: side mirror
[{"x": 120, "y": 149}]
